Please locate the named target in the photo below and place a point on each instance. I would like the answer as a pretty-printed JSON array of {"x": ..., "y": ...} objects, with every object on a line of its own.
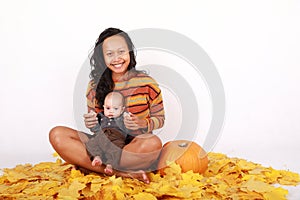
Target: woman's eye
[
  {"x": 109, "y": 54},
  {"x": 121, "y": 51}
]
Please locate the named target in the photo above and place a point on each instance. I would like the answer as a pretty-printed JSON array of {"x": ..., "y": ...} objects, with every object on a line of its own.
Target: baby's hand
[{"x": 126, "y": 114}]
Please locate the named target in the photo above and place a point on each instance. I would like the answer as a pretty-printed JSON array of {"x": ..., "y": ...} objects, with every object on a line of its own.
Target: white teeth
[{"x": 118, "y": 65}]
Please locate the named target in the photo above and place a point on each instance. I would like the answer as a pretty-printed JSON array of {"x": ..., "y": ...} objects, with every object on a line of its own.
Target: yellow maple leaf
[
  {"x": 256, "y": 186},
  {"x": 144, "y": 196},
  {"x": 277, "y": 193},
  {"x": 72, "y": 191},
  {"x": 172, "y": 169}
]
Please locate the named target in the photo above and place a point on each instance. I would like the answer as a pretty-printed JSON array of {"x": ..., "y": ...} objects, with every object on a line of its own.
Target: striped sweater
[{"x": 142, "y": 98}]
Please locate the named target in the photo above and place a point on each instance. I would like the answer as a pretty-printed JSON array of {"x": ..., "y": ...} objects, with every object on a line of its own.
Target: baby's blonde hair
[{"x": 114, "y": 94}]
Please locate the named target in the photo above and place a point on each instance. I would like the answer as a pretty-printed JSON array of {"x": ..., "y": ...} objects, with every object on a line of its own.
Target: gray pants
[{"x": 108, "y": 144}]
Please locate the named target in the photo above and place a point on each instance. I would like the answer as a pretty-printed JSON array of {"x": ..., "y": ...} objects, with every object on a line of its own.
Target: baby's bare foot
[
  {"x": 108, "y": 169},
  {"x": 97, "y": 161}
]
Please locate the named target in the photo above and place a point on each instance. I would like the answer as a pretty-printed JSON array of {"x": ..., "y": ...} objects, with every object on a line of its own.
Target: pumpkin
[{"x": 189, "y": 155}]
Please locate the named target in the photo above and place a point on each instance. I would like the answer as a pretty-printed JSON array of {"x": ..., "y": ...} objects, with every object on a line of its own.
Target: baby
[{"x": 106, "y": 146}]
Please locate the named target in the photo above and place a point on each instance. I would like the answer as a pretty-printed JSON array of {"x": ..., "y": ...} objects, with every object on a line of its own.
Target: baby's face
[{"x": 113, "y": 106}]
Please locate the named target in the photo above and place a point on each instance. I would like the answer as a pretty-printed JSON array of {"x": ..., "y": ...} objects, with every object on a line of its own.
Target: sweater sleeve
[{"x": 157, "y": 113}]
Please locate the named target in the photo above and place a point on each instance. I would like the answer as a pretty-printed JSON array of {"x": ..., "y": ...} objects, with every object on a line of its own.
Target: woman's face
[{"x": 116, "y": 55}]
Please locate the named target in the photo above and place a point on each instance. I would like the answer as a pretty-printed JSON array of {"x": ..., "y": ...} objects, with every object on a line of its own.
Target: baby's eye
[{"x": 116, "y": 109}]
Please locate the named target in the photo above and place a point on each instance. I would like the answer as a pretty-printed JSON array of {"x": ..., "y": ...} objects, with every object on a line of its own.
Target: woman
[{"x": 113, "y": 68}]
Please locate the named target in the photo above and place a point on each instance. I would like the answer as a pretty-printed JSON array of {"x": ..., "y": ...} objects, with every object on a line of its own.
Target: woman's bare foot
[
  {"x": 97, "y": 161},
  {"x": 139, "y": 175},
  {"x": 108, "y": 170}
]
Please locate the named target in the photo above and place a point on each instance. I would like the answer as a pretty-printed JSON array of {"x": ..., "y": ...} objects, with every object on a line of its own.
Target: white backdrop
[{"x": 255, "y": 46}]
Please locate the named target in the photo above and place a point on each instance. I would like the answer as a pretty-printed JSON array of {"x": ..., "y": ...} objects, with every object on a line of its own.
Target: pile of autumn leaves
[{"x": 226, "y": 178}]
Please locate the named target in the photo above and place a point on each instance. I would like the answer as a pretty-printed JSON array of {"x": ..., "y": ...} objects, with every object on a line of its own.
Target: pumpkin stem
[{"x": 184, "y": 144}]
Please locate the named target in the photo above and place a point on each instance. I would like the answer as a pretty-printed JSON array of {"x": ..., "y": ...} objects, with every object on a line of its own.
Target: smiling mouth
[{"x": 119, "y": 65}]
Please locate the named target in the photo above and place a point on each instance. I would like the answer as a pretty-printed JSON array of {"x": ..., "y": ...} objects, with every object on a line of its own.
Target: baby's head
[{"x": 113, "y": 104}]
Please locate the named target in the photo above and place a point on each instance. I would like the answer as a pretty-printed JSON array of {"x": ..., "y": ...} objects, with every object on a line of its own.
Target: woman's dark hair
[{"x": 100, "y": 74}]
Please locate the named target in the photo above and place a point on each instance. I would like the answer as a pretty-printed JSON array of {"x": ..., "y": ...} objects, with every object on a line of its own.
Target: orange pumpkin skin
[{"x": 189, "y": 155}]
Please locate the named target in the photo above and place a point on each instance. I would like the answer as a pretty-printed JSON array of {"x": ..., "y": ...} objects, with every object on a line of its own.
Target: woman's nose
[{"x": 117, "y": 57}]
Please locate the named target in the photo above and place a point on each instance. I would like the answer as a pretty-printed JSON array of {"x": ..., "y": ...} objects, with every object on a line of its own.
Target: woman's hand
[
  {"x": 90, "y": 119},
  {"x": 132, "y": 122}
]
